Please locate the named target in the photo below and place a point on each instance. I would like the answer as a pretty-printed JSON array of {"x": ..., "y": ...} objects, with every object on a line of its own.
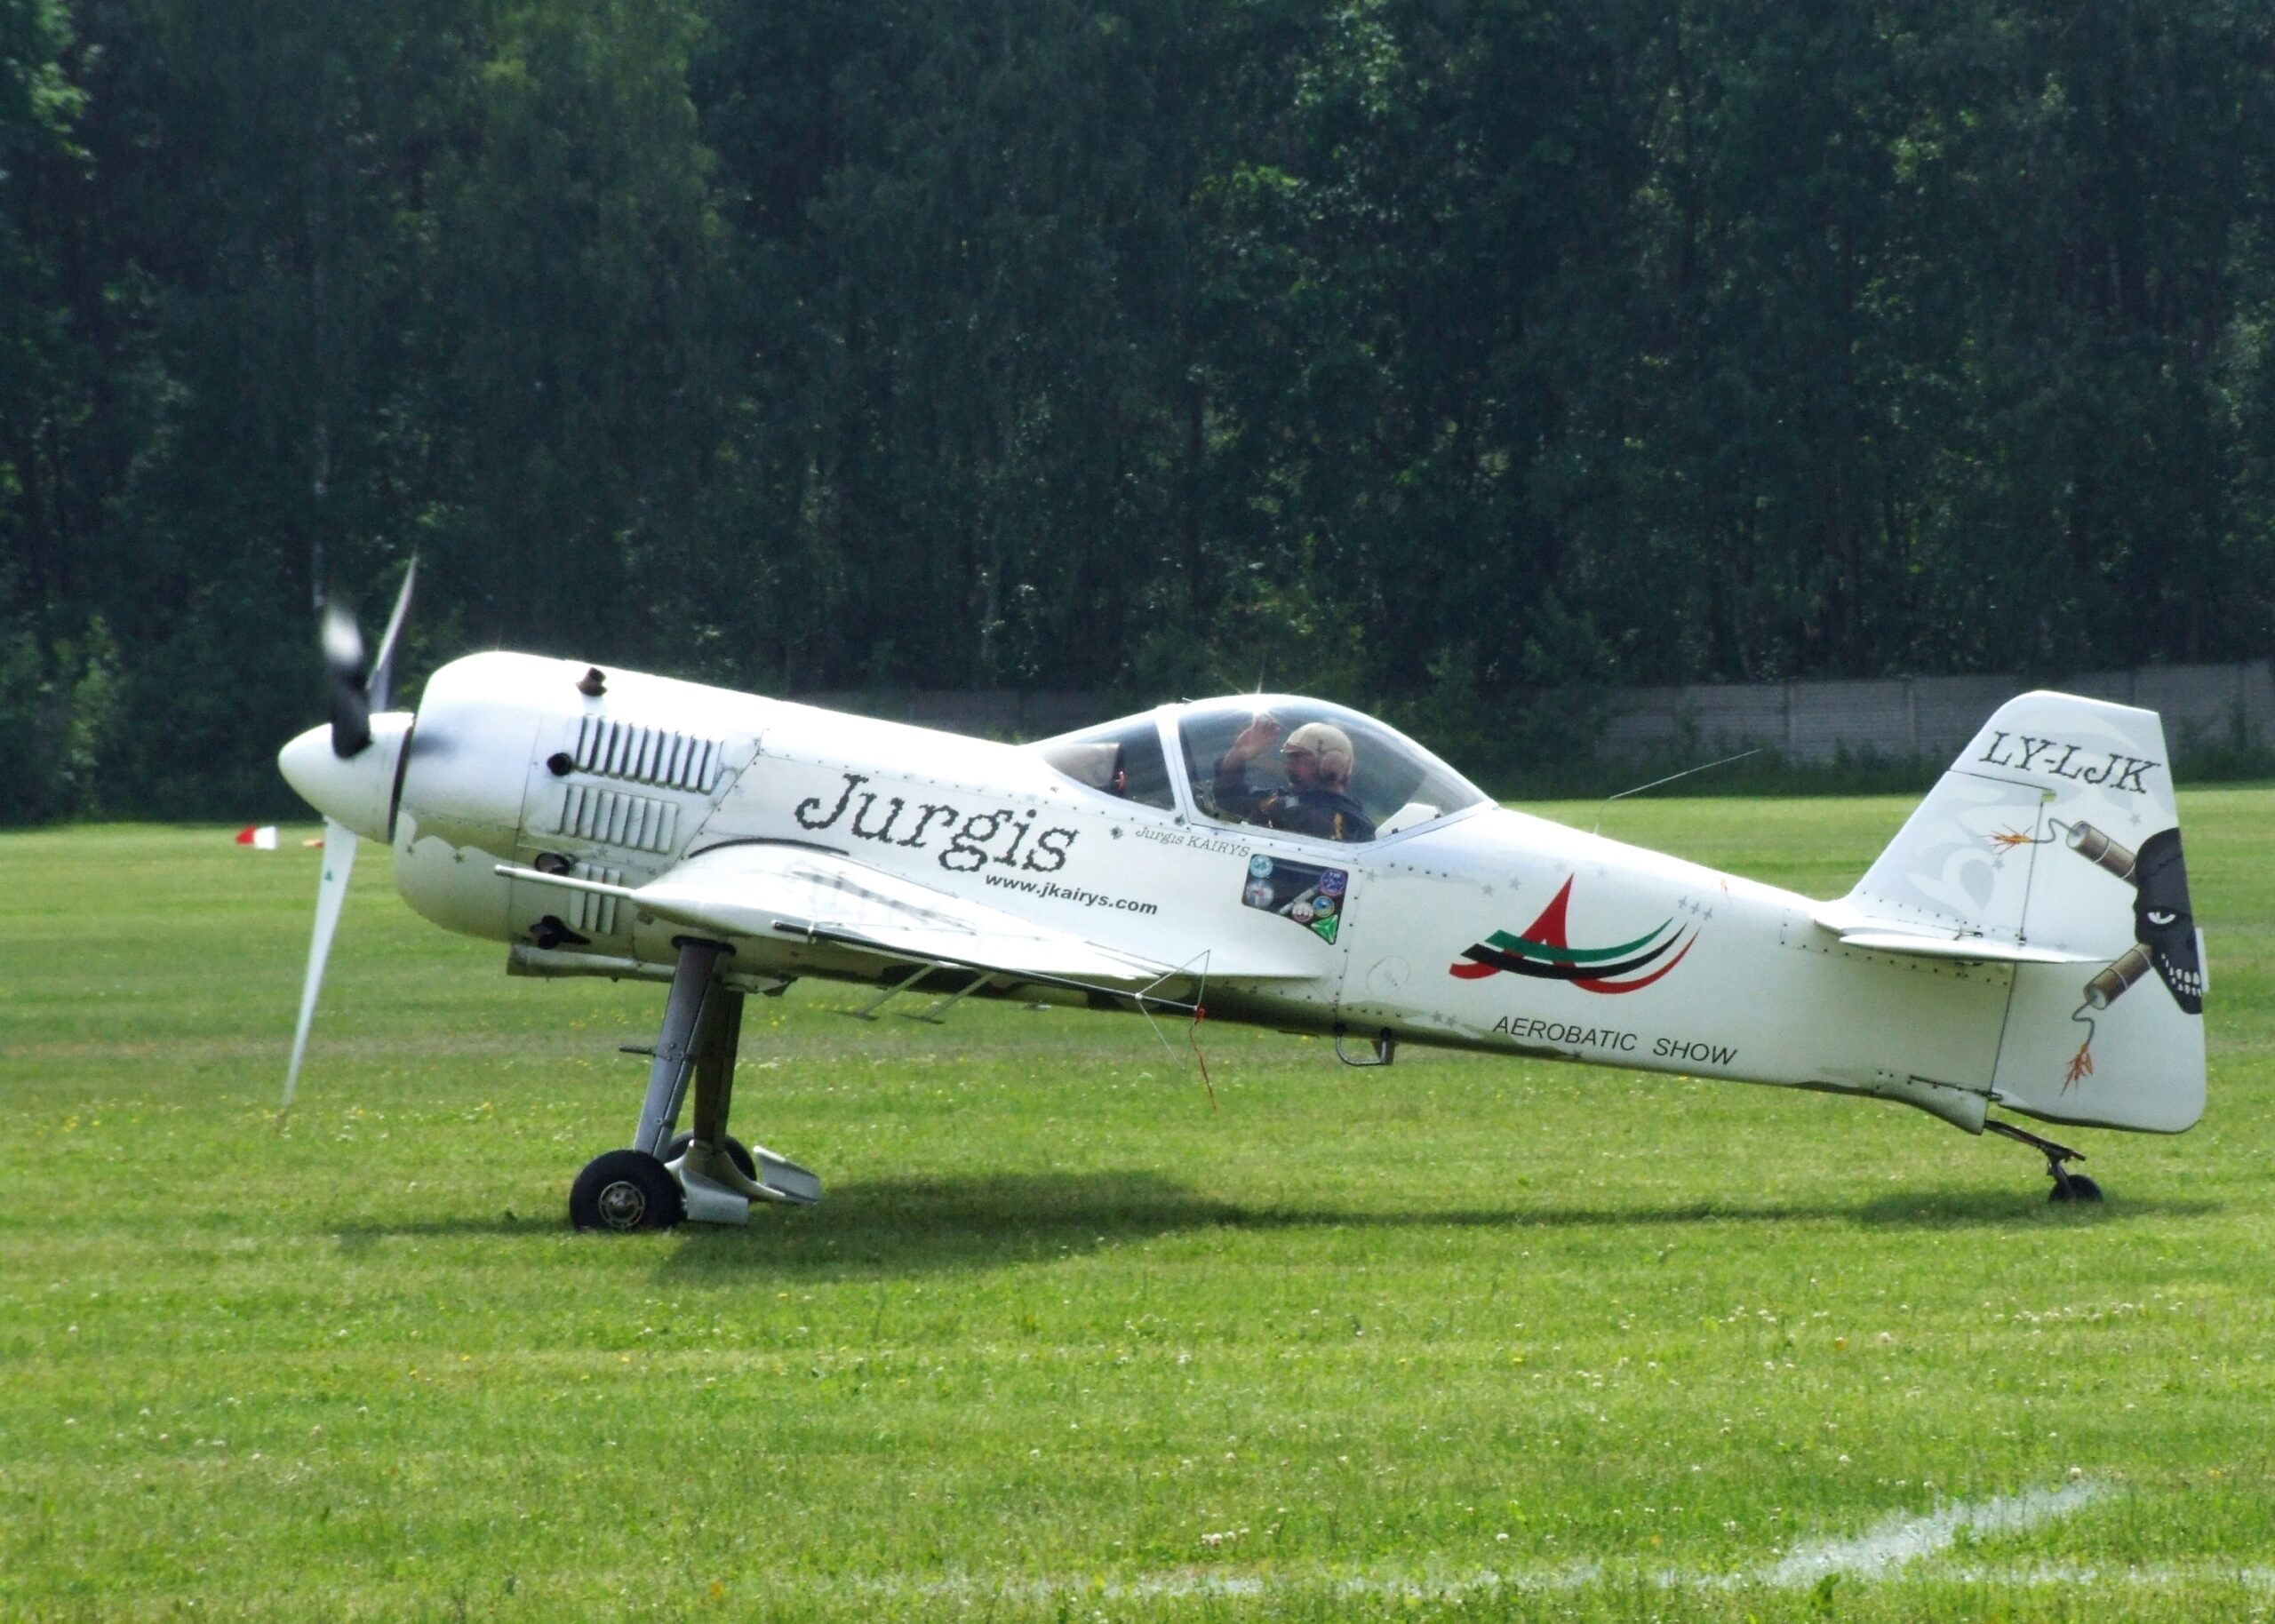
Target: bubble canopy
[{"x": 1396, "y": 783}]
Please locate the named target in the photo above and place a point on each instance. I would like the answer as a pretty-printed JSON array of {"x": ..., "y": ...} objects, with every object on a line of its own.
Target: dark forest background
[{"x": 1448, "y": 357}]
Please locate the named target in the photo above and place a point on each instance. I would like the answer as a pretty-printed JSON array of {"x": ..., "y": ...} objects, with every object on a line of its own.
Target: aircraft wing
[{"x": 767, "y": 891}]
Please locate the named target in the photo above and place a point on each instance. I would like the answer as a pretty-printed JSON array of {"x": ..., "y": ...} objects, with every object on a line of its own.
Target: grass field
[{"x": 1468, "y": 1337}]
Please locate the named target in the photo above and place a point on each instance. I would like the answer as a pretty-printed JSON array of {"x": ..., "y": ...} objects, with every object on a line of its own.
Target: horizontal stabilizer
[
  {"x": 1977, "y": 950},
  {"x": 1864, "y": 932}
]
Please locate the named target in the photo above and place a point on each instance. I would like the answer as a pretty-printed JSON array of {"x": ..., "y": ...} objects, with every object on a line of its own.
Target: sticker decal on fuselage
[
  {"x": 1544, "y": 952},
  {"x": 1313, "y": 897}
]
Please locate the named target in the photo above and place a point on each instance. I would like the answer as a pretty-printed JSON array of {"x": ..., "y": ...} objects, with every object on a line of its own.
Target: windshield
[
  {"x": 1307, "y": 767},
  {"x": 1121, "y": 757}
]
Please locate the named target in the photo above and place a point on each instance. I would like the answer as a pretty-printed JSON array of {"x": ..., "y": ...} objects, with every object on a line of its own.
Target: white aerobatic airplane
[{"x": 2024, "y": 944}]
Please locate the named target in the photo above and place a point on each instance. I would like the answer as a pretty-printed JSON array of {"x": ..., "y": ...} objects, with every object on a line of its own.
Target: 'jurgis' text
[{"x": 971, "y": 837}]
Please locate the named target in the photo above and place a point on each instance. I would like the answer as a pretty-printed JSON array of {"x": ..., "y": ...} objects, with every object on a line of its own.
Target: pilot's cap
[{"x": 1329, "y": 743}]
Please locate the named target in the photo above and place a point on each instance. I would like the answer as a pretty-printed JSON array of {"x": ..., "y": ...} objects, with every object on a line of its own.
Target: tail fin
[{"x": 2056, "y": 836}]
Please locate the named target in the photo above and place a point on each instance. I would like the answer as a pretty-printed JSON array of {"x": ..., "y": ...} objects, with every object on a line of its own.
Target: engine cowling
[{"x": 556, "y": 765}]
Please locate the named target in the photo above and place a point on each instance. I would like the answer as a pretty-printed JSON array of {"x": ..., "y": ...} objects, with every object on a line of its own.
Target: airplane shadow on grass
[{"x": 915, "y": 1225}]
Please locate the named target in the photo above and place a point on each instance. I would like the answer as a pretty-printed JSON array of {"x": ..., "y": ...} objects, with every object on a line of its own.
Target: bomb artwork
[{"x": 2164, "y": 928}]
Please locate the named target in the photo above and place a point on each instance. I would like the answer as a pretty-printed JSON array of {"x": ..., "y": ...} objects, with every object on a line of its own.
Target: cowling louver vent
[
  {"x": 593, "y": 915},
  {"x": 615, "y": 818},
  {"x": 647, "y": 755}
]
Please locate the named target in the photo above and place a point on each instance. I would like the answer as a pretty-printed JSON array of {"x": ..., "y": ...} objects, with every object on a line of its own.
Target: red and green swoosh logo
[{"x": 1545, "y": 952}]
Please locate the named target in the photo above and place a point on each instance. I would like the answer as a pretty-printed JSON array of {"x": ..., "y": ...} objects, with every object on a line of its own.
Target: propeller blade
[
  {"x": 343, "y": 663},
  {"x": 339, "y": 861},
  {"x": 382, "y": 682}
]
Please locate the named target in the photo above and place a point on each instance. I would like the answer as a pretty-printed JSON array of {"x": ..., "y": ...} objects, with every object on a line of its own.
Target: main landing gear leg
[
  {"x": 711, "y": 1155},
  {"x": 712, "y": 1164},
  {"x": 2068, "y": 1186},
  {"x": 708, "y": 1153},
  {"x": 660, "y": 1181}
]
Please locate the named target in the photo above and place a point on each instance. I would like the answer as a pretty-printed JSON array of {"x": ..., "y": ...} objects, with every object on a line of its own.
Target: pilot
[{"x": 1318, "y": 759}]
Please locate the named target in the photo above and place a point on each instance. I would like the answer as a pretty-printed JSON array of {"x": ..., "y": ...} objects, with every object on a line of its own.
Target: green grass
[{"x": 1468, "y": 1337}]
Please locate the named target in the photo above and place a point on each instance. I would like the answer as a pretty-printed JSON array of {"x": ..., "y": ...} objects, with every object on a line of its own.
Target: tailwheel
[
  {"x": 738, "y": 1153},
  {"x": 625, "y": 1190},
  {"x": 2068, "y": 1186}
]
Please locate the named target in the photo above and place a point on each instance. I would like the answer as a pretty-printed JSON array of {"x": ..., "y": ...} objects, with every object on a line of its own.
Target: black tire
[
  {"x": 737, "y": 1152},
  {"x": 625, "y": 1190},
  {"x": 2079, "y": 1187}
]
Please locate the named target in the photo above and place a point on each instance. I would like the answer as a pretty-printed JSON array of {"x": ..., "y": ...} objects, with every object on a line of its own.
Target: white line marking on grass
[
  {"x": 1880, "y": 1554},
  {"x": 1899, "y": 1539}
]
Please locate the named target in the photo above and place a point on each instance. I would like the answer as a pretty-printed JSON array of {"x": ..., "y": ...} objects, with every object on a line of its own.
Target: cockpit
[{"x": 1300, "y": 767}]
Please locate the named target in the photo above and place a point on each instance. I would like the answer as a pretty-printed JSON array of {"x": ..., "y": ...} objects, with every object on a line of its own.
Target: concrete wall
[
  {"x": 1928, "y": 717},
  {"x": 1931, "y": 717}
]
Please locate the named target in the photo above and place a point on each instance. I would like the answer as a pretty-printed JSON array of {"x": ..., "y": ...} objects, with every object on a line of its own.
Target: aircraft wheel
[
  {"x": 2080, "y": 1188},
  {"x": 625, "y": 1190},
  {"x": 738, "y": 1153}
]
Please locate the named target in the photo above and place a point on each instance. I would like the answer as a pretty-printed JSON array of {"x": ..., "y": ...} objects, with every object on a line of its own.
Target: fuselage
[{"x": 1483, "y": 928}]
